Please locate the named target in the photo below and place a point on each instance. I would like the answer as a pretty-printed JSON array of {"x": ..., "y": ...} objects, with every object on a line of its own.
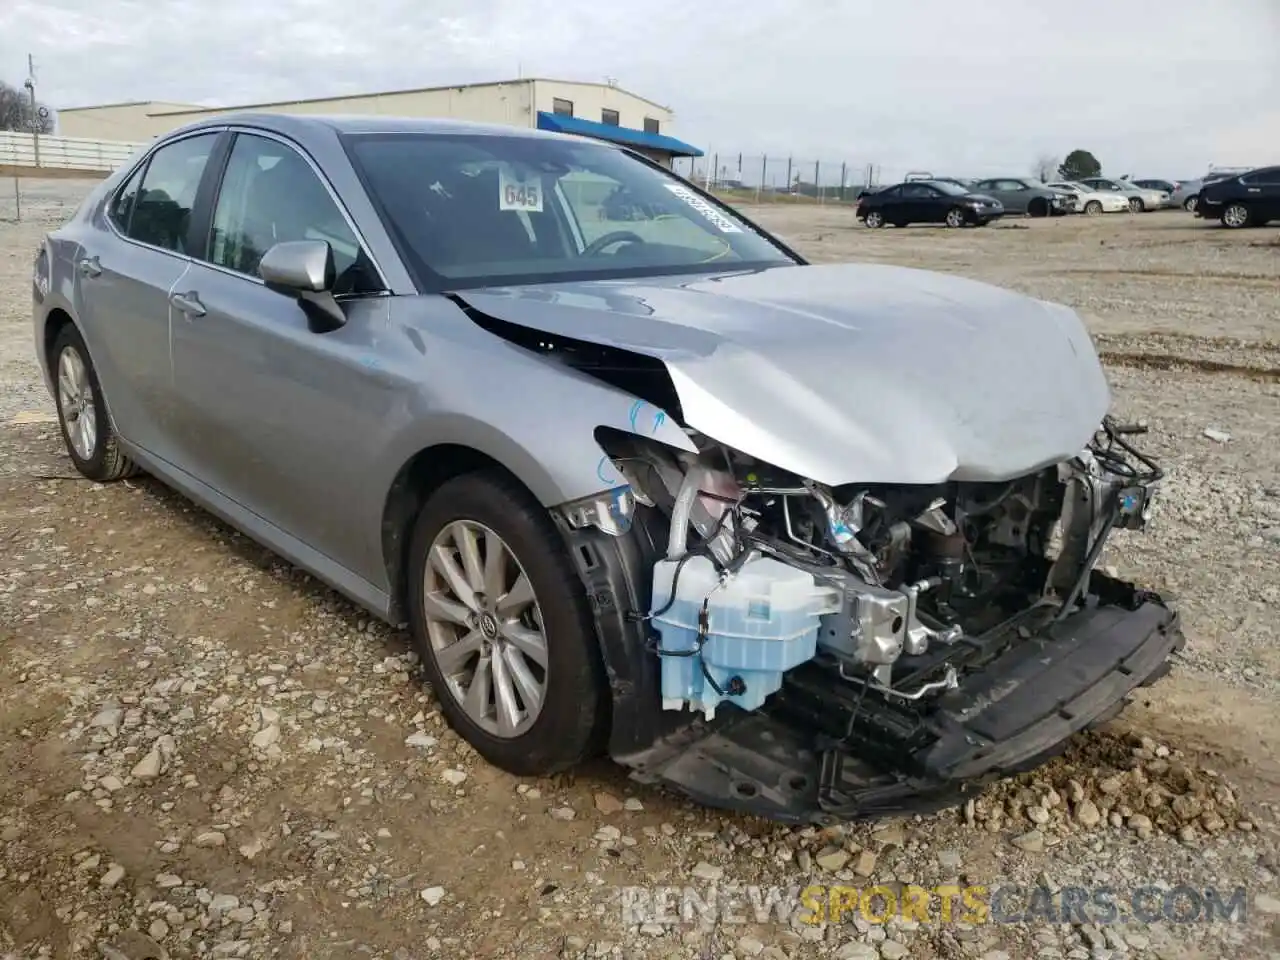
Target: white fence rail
[{"x": 63, "y": 153}]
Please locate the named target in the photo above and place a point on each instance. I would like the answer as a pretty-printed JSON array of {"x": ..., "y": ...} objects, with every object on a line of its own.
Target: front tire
[
  {"x": 955, "y": 218},
  {"x": 1093, "y": 208},
  {"x": 1189, "y": 204},
  {"x": 1236, "y": 215},
  {"x": 1038, "y": 208},
  {"x": 82, "y": 412},
  {"x": 1136, "y": 205},
  {"x": 500, "y": 620}
]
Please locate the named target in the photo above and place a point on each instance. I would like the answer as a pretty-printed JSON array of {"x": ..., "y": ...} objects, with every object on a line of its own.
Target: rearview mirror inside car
[{"x": 304, "y": 269}]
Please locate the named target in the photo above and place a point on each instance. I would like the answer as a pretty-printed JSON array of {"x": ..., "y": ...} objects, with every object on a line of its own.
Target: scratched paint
[
  {"x": 641, "y": 419},
  {"x": 605, "y": 471}
]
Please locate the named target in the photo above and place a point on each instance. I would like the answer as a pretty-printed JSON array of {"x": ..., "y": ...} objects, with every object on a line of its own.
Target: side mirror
[
  {"x": 304, "y": 269},
  {"x": 298, "y": 266}
]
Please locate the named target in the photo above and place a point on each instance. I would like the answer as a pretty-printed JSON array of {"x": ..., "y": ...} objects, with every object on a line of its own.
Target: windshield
[
  {"x": 946, "y": 186},
  {"x": 471, "y": 211}
]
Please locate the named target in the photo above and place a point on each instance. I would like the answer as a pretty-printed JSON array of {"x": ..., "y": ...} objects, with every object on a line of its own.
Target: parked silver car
[
  {"x": 771, "y": 533},
  {"x": 1165, "y": 187},
  {"x": 1028, "y": 195}
]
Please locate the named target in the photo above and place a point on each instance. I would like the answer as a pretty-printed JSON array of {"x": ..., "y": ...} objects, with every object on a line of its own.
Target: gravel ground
[{"x": 207, "y": 754}]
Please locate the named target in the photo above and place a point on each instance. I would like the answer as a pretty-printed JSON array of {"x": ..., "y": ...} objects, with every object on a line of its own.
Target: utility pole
[{"x": 30, "y": 84}]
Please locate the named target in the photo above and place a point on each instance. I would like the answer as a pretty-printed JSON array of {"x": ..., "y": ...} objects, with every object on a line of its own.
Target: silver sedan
[{"x": 634, "y": 475}]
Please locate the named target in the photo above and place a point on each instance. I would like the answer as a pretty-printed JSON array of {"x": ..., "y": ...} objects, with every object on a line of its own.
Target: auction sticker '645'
[
  {"x": 515, "y": 194},
  {"x": 721, "y": 222}
]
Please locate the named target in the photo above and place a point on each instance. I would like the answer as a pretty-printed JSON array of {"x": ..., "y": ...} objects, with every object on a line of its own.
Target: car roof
[{"x": 305, "y": 126}]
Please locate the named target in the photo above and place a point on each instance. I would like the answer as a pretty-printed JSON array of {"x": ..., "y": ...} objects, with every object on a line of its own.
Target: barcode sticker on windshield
[
  {"x": 722, "y": 223},
  {"x": 515, "y": 194}
]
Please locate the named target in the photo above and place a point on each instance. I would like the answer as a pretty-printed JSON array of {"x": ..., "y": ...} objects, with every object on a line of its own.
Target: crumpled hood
[{"x": 847, "y": 373}]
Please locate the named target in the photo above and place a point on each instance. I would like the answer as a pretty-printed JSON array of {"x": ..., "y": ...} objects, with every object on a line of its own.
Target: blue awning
[{"x": 561, "y": 123}]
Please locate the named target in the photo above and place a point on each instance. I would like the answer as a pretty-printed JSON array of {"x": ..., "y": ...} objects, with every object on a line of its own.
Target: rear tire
[
  {"x": 874, "y": 219},
  {"x": 1093, "y": 208},
  {"x": 82, "y": 412},
  {"x": 1189, "y": 204},
  {"x": 480, "y": 652},
  {"x": 1136, "y": 205},
  {"x": 1236, "y": 215}
]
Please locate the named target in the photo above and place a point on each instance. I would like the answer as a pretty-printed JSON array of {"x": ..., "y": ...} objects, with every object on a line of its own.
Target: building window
[
  {"x": 561, "y": 106},
  {"x": 609, "y": 116},
  {"x": 650, "y": 125}
]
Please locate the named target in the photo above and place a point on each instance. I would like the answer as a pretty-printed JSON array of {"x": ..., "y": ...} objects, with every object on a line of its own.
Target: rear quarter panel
[{"x": 63, "y": 246}]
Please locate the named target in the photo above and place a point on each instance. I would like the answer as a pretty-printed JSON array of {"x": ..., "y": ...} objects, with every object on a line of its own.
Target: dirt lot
[{"x": 206, "y": 754}]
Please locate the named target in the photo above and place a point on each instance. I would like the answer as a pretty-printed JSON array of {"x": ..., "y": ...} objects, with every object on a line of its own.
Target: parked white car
[
  {"x": 1093, "y": 202},
  {"x": 1139, "y": 199}
]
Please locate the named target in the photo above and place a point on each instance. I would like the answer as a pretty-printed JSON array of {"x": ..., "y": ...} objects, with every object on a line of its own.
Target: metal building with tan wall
[{"x": 600, "y": 110}]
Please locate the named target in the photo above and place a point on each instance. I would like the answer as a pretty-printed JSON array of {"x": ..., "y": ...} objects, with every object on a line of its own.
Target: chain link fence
[
  {"x": 763, "y": 178},
  {"x": 26, "y": 199},
  {"x": 11, "y": 200}
]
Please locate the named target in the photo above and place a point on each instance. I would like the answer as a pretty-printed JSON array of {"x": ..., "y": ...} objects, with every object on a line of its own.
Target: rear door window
[
  {"x": 161, "y": 212},
  {"x": 121, "y": 208},
  {"x": 1263, "y": 178}
]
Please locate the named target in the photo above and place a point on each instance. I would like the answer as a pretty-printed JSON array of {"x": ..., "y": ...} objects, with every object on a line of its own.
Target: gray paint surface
[
  {"x": 849, "y": 373},
  {"x": 838, "y": 373}
]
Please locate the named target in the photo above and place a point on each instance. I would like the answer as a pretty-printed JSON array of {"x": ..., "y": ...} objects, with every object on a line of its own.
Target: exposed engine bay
[{"x": 866, "y": 630}]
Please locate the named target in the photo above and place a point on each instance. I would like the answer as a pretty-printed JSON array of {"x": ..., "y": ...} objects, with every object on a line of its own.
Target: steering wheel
[{"x": 598, "y": 245}]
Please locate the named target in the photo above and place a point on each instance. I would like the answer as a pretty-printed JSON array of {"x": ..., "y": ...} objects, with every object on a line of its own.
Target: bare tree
[
  {"x": 18, "y": 113},
  {"x": 1045, "y": 167}
]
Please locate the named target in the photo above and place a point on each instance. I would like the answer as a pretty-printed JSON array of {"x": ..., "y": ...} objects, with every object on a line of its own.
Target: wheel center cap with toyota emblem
[{"x": 489, "y": 626}]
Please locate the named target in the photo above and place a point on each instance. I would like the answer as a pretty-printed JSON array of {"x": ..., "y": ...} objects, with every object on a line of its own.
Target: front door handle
[
  {"x": 189, "y": 303},
  {"x": 89, "y": 266}
]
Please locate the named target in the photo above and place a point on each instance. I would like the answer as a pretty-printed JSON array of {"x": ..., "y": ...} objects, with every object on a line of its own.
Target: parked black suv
[{"x": 1249, "y": 200}]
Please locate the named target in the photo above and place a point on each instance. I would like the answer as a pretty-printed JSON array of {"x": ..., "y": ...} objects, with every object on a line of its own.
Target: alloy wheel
[
  {"x": 1236, "y": 215},
  {"x": 1093, "y": 208},
  {"x": 874, "y": 219},
  {"x": 485, "y": 628},
  {"x": 955, "y": 218},
  {"x": 76, "y": 403},
  {"x": 1135, "y": 205}
]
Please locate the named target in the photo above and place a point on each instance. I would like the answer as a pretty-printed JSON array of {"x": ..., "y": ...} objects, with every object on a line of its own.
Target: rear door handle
[
  {"x": 89, "y": 266},
  {"x": 189, "y": 303}
]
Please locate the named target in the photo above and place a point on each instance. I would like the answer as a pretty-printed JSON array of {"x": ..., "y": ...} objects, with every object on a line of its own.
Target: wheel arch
[
  {"x": 418, "y": 478},
  {"x": 55, "y": 321}
]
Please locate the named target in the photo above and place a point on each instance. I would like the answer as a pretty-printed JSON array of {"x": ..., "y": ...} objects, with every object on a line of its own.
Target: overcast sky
[{"x": 1157, "y": 88}]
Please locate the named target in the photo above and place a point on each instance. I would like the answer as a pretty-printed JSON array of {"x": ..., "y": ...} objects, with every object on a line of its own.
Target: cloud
[{"x": 949, "y": 85}]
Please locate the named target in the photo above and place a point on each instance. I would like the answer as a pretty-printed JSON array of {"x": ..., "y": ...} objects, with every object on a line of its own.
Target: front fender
[{"x": 531, "y": 412}]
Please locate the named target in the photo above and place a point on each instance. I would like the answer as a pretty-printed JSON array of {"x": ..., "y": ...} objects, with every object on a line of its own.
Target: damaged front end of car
[{"x": 815, "y": 653}]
